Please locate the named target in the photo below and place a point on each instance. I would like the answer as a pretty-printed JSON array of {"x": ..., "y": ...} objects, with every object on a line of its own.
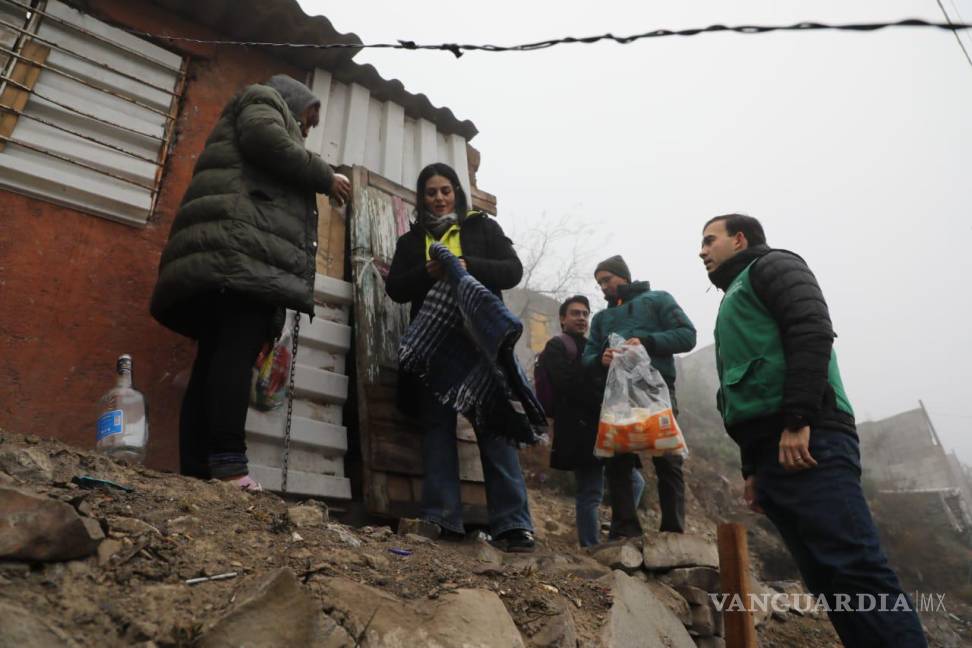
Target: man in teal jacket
[
  {"x": 653, "y": 319},
  {"x": 783, "y": 401}
]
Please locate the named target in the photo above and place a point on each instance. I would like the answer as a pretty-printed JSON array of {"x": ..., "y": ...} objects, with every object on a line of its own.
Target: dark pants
[
  {"x": 624, "y": 511},
  {"x": 826, "y": 524},
  {"x": 506, "y": 493},
  {"x": 212, "y": 439},
  {"x": 671, "y": 484},
  {"x": 671, "y": 494}
]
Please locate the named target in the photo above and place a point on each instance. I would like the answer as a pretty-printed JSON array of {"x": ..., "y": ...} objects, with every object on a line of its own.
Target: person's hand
[
  {"x": 607, "y": 356},
  {"x": 341, "y": 188},
  {"x": 795, "y": 449},
  {"x": 749, "y": 495},
  {"x": 435, "y": 269},
  {"x": 633, "y": 342},
  {"x": 462, "y": 262}
]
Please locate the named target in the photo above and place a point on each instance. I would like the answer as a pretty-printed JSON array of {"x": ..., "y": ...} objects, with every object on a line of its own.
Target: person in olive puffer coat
[{"x": 242, "y": 249}]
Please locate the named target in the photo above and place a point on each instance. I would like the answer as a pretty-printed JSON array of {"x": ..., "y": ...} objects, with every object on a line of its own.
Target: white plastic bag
[{"x": 636, "y": 413}]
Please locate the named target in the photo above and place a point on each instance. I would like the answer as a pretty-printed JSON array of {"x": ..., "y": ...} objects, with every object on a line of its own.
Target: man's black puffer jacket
[{"x": 789, "y": 290}]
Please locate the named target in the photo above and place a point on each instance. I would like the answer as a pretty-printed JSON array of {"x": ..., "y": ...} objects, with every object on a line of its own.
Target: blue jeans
[
  {"x": 506, "y": 491},
  {"x": 590, "y": 493},
  {"x": 826, "y": 524}
]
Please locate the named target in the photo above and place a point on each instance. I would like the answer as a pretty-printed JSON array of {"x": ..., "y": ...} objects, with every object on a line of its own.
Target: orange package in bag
[
  {"x": 636, "y": 413},
  {"x": 654, "y": 433}
]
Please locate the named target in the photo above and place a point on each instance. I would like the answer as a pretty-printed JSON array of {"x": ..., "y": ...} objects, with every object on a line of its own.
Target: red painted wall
[{"x": 75, "y": 288}]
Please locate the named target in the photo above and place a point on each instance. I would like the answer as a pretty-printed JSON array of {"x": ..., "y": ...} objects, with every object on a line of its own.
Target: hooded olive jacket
[{"x": 247, "y": 224}]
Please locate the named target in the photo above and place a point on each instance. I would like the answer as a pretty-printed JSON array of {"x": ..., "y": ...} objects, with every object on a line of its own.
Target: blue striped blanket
[{"x": 460, "y": 345}]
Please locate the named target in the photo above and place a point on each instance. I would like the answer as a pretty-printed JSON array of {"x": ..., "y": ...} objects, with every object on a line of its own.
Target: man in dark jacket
[
  {"x": 577, "y": 405},
  {"x": 653, "y": 319},
  {"x": 782, "y": 400},
  {"x": 241, "y": 249}
]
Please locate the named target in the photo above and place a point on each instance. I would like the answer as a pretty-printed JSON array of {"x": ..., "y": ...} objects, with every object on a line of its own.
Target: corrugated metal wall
[
  {"x": 357, "y": 128},
  {"x": 94, "y": 128}
]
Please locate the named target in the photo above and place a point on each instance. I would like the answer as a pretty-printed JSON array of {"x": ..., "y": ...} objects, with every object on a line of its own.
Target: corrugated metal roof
[{"x": 283, "y": 21}]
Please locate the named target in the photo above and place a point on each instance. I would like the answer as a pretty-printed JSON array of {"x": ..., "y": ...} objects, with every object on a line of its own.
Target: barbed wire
[{"x": 458, "y": 49}]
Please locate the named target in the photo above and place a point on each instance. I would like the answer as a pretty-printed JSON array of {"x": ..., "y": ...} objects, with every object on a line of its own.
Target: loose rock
[
  {"x": 275, "y": 612},
  {"x": 638, "y": 618},
  {"x": 305, "y": 516},
  {"x": 28, "y": 464},
  {"x": 21, "y": 628},
  {"x": 670, "y": 550},
  {"x": 623, "y": 556},
  {"x": 703, "y": 578},
  {"x": 39, "y": 528}
]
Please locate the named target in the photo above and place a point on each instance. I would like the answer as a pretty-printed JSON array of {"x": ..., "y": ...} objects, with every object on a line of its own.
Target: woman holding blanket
[{"x": 442, "y": 216}]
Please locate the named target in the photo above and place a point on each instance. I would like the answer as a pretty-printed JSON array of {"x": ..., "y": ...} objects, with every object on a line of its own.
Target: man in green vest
[{"x": 783, "y": 402}]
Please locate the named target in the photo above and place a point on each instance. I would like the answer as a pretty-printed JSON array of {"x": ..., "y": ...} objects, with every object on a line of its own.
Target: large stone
[
  {"x": 694, "y": 595},
  {"x": 20, "y": 628},
  {"x": 703, "y": 578},
  {"x": 556, "y": 630},
  {"x": 39, "y": 528},
  {"x": 672, "y": 600},
  {"x": 465, "y": 617},
  {"x": 638, "y": 618},
  {"x": 624, "y": 556},
  {"x": 460, "y": 620},
  {"x": 305, "y": 516},
  {"x": 670, "y": 550},
  {"x": 703, "y": 620},
  {"x": 276, "y": 611},
  {"x": 27, "y": 464}
]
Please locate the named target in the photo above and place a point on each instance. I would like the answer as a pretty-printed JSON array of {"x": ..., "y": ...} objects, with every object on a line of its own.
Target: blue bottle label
[{"x": 110, "y": 423}]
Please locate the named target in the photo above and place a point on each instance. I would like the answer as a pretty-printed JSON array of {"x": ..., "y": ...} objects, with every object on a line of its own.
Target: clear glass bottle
[{"x": 123, "y": 422}]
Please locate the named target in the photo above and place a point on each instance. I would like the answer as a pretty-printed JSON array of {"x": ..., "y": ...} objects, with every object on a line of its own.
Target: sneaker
[{"x": 516, "y": 541}]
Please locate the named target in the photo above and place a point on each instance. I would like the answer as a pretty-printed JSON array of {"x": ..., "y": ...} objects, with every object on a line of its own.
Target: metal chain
[{"x": 290, "y": 406}]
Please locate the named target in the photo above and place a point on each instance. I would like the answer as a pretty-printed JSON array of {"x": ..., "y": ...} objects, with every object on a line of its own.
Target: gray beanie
[
  {"x": 616, "y": 266},
  {"x": 297, "y": 96}
]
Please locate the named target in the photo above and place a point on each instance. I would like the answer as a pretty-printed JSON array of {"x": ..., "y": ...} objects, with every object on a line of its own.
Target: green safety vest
[
  {"x": 750, "y": 359},
  {"x": 450, "y": 239}
]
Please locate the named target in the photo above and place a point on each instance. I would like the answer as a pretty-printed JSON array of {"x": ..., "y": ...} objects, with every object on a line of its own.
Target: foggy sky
[{"x": 854, "y": 150}]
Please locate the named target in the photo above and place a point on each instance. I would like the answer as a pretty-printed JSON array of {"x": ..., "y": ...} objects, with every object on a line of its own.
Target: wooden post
[
  {"x": 14, "y": 98},
  {"x": 734, "y": 581}
]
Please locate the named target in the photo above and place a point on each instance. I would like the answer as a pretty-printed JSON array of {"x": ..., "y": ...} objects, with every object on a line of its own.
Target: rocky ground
[{"x": 173, "y": 561}]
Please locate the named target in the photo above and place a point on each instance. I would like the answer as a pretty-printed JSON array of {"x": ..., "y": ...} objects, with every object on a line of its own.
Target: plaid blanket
[{"x": 460, "y": 345}]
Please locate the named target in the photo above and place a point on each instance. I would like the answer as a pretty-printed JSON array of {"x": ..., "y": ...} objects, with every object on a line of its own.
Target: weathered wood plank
[
  {"x": 13, "y": 98},
  {"x": 399, "y": 488},
  {"x": 330, "y": 238}
]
